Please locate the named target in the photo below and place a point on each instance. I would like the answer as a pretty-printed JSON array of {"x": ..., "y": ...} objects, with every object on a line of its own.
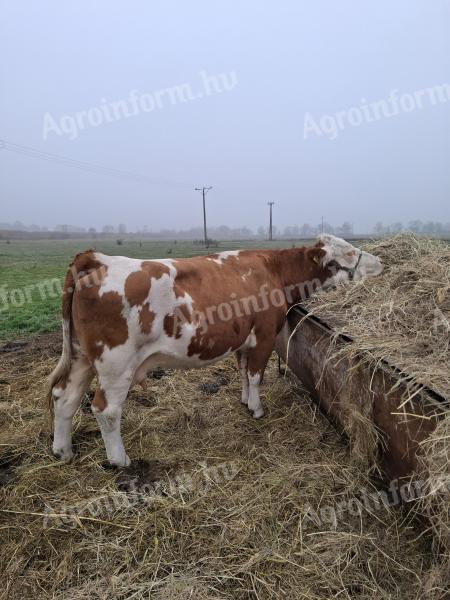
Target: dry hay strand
[
  {"x": 401, "y": 317},
  {"x": 434, "y": 457},
  {"x": 365, "y": 439},
  {"x": 223, "y": 506}
]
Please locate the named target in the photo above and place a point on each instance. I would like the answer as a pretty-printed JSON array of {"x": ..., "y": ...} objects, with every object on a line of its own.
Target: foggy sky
[{"x": 289, "y": 58}]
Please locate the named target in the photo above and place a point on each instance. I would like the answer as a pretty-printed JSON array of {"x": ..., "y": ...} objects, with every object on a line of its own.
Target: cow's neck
[{"x": 299, "y": 274}]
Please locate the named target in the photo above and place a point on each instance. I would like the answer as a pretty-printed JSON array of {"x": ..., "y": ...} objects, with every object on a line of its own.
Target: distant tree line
[
  {"x": 223, "y": 232},
  {"x": 419, "y": 227}
]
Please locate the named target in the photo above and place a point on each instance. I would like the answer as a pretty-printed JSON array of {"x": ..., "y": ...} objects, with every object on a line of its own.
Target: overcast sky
[{"x": 283, "y": 62}]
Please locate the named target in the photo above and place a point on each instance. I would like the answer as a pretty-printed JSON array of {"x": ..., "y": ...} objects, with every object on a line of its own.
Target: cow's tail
[{"x": 62, "y": 369}]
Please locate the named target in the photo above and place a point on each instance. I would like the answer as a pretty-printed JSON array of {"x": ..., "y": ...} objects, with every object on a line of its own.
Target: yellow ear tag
[{"x": 316, "y": 259}]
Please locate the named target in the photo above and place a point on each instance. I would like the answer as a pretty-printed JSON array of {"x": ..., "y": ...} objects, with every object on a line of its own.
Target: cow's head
[{"x": 346, "y": 261}]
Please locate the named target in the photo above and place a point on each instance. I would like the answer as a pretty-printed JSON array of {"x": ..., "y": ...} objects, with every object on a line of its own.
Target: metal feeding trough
[{"x": 339, "y": 385}]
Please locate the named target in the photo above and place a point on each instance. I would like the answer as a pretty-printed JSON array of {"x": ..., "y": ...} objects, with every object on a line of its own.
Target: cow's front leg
[
  {"x": 256, "y": 365},
  {"x": 242, "y": 358},
  {"x": 107, "y": 408}
]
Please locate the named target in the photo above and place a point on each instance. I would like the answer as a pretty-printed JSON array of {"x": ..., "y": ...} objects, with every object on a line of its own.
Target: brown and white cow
[{"x": 124, "y": 317}]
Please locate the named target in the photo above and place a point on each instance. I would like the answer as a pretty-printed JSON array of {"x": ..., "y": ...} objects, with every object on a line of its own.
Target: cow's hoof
[
  {"x": 109, "y": 466},
  {"x": 117, "y": 464},
  {"x": 62, "y": 454},
  {"x": 258, "y": 413}
]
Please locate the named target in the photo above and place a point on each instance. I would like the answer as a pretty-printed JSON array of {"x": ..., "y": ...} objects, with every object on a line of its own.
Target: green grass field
[{"x": 31, "y": 273}]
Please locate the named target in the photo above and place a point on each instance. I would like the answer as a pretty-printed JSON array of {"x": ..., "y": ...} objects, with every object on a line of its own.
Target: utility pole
[
  {"x": 204, "y": 191},
  {"x": 322, "y": 224},
  {"x": 270, "y": 221}
]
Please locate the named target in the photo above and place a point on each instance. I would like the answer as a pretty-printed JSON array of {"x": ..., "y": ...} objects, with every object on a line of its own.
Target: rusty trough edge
[{"x": 375, "y": 393}]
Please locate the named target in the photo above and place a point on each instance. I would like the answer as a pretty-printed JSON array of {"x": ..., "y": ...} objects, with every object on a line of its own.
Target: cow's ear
[{"x": 316, "y": 255}]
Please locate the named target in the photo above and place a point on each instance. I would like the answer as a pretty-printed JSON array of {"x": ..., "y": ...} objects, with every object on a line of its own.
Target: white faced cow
[{"x": 124, "y": 317}]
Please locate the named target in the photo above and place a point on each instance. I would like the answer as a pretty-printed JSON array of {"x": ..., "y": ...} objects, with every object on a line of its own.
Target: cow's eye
[{"x": 334, "y": 263}]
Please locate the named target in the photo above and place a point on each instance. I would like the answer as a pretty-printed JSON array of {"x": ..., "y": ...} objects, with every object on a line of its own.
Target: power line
[
  {"x": 204, "y": 191},
  {"x": 85, "y": 166}
]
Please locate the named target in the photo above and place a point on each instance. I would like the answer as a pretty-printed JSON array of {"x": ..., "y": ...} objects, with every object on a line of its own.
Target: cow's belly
[
  {"x": 168, "y": 361},
  {"x": 173, "y": 359}
]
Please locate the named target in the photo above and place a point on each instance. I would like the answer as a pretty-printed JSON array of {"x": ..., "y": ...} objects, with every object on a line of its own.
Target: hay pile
[
  {"x": 227, "y": 506},
  {"x": 403, "y": 316}
]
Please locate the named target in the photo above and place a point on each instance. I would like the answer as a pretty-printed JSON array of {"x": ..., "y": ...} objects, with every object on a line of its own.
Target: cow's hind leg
[
  {"x": 242, "y": 358},
  {"x": 67, "y": 396},
  {"x": 257, "y": 362},
  {"x": 107, "y": 408}
]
